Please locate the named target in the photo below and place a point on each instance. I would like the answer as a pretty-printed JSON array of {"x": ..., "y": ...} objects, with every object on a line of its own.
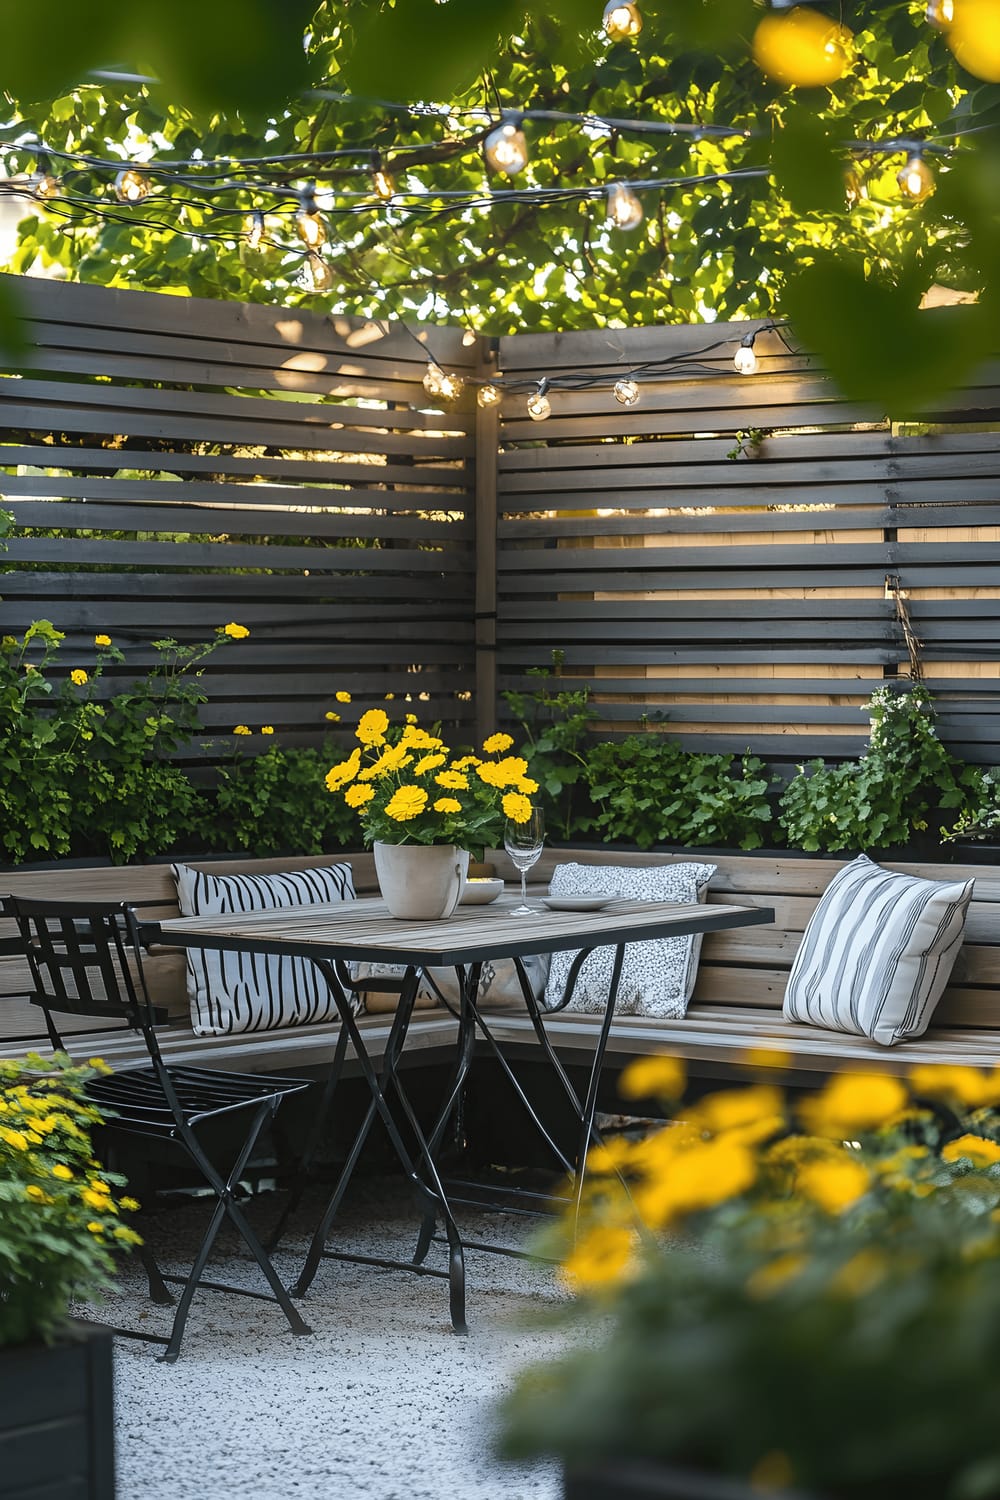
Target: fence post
[{"x": 487, "y": 446}]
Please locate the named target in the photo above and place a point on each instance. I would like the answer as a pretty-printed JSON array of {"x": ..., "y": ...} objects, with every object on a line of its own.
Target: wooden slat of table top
[{"x": 364, "y": 929}]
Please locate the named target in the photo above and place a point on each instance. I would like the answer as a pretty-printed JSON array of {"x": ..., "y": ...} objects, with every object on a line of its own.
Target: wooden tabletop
[{"x": 364, "y": 930}]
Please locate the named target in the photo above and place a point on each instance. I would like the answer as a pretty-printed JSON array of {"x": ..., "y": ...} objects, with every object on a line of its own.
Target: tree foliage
[{"x": 780, "y": 240}]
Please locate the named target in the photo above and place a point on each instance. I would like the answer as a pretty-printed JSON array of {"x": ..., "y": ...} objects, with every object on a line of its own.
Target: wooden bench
[{"x": 736, "y": 1005}]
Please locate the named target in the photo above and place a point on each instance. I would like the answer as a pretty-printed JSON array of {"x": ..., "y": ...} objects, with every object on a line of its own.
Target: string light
[
  {"x": 383, "y": 182},
  {"x": 626, "y": 391},
  {"x": 451, "y": 386},
  {"x": 131, "y": 185},
  {"x": 855, "y": 187},
  {"x": 745, "y": 359},
  {"x": 309, "y": 221},
  {"x": 940, "y": 13},
  {"x": 622, "y": 20},
  {"x": 254, "y": 231},
  {"x": 433, "y": 377},
  {"x": 319, "y": 272},
  {"x": 41, "y": 183},
  {"x": 489, "y": 395},
  {"x": 506, "y": 149},
  {"x": 916, "y": 180},
  {"x": 539, "y": 405},
  {"x": 624, "y": 208}
]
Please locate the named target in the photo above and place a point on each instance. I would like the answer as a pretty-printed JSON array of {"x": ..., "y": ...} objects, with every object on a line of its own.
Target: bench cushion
[
  {"x": 255, "y": 991},
  {"x": 657, "y": 977},
  {"x": 877, "y": 952}
]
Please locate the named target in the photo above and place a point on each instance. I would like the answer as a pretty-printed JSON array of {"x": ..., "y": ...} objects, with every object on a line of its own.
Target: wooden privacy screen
[
  {"x": 175, "y": 464},
  {"x": 746, "y": 600}
]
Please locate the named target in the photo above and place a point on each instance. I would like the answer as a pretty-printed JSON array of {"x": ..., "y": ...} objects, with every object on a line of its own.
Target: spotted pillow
[{"x": 657, "y": 976}]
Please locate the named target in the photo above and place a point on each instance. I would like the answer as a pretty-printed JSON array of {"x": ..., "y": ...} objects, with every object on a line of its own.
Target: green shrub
[{"x": 277, "y": 802}]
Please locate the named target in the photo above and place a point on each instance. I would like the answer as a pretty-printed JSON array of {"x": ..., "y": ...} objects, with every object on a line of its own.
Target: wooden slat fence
[
  {"x": 175, "y": 464},
  {"x": 749, "y": 600}
]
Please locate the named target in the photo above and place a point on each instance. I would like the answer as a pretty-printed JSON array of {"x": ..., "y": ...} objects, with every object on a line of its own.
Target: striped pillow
[
  {"x": 256, "y": 991},
  {"x": 877, "y": 952}
]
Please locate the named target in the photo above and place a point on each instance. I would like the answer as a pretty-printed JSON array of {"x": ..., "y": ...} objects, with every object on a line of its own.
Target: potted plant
[
  {"x": 790, "y": 1298},
  {"x": 425, "y": 809},
  {"x": 60, "y": 1227}
]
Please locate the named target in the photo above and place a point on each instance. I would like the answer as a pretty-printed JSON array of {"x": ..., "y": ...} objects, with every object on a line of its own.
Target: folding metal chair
[{"x": 86, "y": 960}]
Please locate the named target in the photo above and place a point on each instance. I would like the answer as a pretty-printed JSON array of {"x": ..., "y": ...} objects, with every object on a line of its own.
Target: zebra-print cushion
[
  {"x": 877, "y": 952},
  {"x": 255, "y": 991}
]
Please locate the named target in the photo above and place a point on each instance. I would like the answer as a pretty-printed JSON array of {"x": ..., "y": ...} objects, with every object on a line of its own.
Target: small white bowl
[{"x": 479, "y": 890}]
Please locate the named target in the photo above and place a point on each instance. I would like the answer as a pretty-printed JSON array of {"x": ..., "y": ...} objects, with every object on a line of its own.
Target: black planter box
[
  {"x": 57, "y": 1418},
  {"x": 644, "y": 1480}
]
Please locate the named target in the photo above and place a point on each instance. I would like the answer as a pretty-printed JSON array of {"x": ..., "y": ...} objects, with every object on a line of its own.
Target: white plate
[{"x": 577, "y": 903}]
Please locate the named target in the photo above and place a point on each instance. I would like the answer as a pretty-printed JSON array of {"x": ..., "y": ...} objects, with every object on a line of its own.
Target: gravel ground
[{"x": 382, "y": 1401}]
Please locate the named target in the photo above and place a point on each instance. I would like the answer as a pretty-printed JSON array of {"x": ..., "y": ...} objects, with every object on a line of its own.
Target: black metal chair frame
[{"x": 73, "y": 940}]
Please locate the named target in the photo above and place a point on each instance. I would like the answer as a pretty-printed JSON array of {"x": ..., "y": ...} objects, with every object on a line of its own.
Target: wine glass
[{"x": 523, "y": 843}]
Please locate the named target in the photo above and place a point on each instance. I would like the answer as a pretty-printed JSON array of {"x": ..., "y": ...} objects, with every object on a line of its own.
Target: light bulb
[
  {"x": 916, "y": 180},
  {"x": 539, "y": 406},
  {"x": 489, "y": 395},
  {"x": 310, "y": 223},
  {"x": 621, "y": 20},
  {"x": 745, "y": 360},
  {"x": 505, "y": 149},
  {"x": 940, "y": 13},
  {"x": 320, "y": 274},
  {"x": 451, "y": 386},
  {"x": 131, "y": 185},
  {"x": 624, "y": 208},
  {"x": 42, "y": 183},
  {"x": 626, "y": 391},
  {"x": 254, "y": 229},
  {"x": 384, "y": 184},
  {"x": 432, "y": 379}
]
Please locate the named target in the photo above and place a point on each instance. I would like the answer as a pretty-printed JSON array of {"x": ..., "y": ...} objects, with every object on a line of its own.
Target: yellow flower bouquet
[
  {"x": 408, "y": 787},
  {"x": 60, "y": 1215},
  {"x": 793, "y": 1295}
]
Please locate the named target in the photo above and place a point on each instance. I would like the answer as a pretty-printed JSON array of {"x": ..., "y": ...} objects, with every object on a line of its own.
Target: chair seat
[{"x": 135, "y": 1098}]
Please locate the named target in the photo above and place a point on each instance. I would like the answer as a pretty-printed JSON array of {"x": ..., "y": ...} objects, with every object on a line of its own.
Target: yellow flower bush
[
  {"x": 408, "y": 786},
  {"x": 827, "y": 1294},
  {"x": 60, "y": 1220}
]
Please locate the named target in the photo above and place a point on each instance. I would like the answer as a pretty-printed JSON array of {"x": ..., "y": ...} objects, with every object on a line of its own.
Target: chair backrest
[{"x": 84, "y": 959}]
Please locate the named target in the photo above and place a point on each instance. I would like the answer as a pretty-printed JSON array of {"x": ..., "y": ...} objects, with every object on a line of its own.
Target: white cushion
[
  {"x": 256, "y": 991},
  {"x": 877, "y": 952},
  {"x": 658, "y": 976}
]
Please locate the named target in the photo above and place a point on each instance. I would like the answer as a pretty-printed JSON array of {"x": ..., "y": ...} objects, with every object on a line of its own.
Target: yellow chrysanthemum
[
  {"x": 834, "y": 1185},
  {"x": 102, "y": 640},
  {"x": 333, "y": 718},
  {"x": 393, "y": 758},
  {"x": 62, "y": 1172},
  {"x": 653, "y": 1078},
  {"x": 235, "y": 632},
  {"x": 415, "y": 738},
  {"x": 516, "y": 807},
  {"x": 601, "y": 1256},
  {"x": 411, "y": 718},
  {"x": 770, "y": 1278},
  {"x": 406, "y": 802},
  {"x": 969, "y": 1086},
  {"x": 465, "y": 763},
  {"x": 429, "y": 763},
  {"x": 345, "y": 771},
  {"x": 357, "y": 795},
  {"x": 734, "y": 1109},
  {"x": 36, "y": 1194},
  {"x": 130, "y": 1205},
  {"x": 853, "y": 1102},
  {"x": 13, "y": 1138},
  {"x": 447, "y": 805},
  {"x": 342, "y": 697},
  {"x": 95, "y": 1228},
  {"x": 975, "y": 1148},
  {"x": 389, "y": 697},
  {"x": 703, "y": 1175},
  {"x": 79, "y": 676},
  {"x": 452, "y": 781},
  {"x": 372, "y": 727},
  {"x": 242, "y": 729},
  {"x": 267, "y": 729},
  {"x": 497, "y": 743},
  {"x": 527, "y": 786},
  {"x": 100, "y": 1201}
]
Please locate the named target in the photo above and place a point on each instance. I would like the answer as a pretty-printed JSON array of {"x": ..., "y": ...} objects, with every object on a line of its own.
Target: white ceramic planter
[{"x": 421, "y": 882}]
